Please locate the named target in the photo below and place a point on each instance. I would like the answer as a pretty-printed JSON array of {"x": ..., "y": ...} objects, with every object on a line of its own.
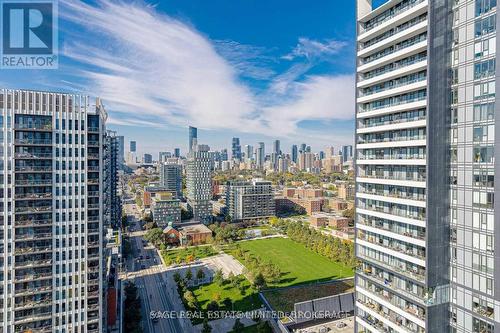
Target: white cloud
[
  {"x": 146, "y": 65},
  {"x": 311, "y": 49}
]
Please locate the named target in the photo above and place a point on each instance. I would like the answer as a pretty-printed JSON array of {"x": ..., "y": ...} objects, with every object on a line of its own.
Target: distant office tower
[
  {"x": 276, "y": 147},
  {"x": 193, "y": 137},
  {"x": 51, "y": 247},
  {"x": 163, "y": 155},
  {"x": 224, "y": 155},
  {"x": 199, "y": 183},
  {"x": 171, "y": 177},
  {"x": 283, "y": 163},
  {"x": 274, "y": 161},
  {"x": 121, "y": 149},
  {"x": 236, "y": 149},
  {"x": 321, "y": 155},
  {"x": 249, "y": 152},
  {"x": 112, "y": 202},
  {"x": 262, "y": 151},
  {"x": 303, "y": 147},
  {"x": 177, "y": 152},
  {"x": 425, "y": 163},
  {"x": 346, "y": 153},
  {"x": 250, "y": 201},
  {"x": 308, "y": 149},
  {"x": 295, "y": 153},
  {"x": 133, "y": 146},
  {"x": 147, "y": 158},
  {"x": 330, "y": 152},
  {"x": 305, "y": 161}
]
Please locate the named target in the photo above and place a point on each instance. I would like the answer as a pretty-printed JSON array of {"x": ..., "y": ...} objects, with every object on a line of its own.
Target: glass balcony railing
[
  {"x": 412, "y": 273},
  {"x": 390, "y": 14}
]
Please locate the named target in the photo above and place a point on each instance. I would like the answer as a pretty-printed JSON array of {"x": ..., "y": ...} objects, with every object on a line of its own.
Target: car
[
  {"x": 143, "y": 266},
  {"x": 148, "y": 257},
  {"x": 141, "y": 257}
]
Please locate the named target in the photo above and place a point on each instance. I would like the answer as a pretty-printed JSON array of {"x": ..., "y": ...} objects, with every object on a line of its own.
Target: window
[
  {"x": 485, "y": 26},
  {"x": 484, "y": 6},
  {"x": 484, "y": 69}
]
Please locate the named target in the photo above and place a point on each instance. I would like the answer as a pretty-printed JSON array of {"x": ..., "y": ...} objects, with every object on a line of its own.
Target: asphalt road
[{"x": 155, "y": 291}]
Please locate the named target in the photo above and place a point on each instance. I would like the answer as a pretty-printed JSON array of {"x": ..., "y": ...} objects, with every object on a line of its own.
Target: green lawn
[
  {"x": 240, "y": 302},
  {"x": 297, "y": 263},
  {"x": 185, "y": 254}
]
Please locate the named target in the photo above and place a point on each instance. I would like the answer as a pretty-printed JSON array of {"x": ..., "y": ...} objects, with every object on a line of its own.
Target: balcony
[
  {"x": 34, "y": 290},
  {"x": 37, "y": 236},
  {"x": 395, "y": 194},
  {"x": 33, "y": 182},
  {"x": 33, "y": 223},
  {"x": 33, "y": 304},
  {"x": 33, "y": 263},
  {"x": 34, "y": 127},
  {"x": 33, "y": 210},
  {"x": 93, "y": 142},
  {"x": 33, "y": 250},
  {"x": 414, "y": 274},
  {"x": 93, "y": 193},
  {"x": 31, "y": 169},
  {"x": 33, "y": 196},
  {"x": 371, "y": 276},
  {"x": 93, "y": 156},
  {"x": 32, "y": 277},
  {"x": 33, "y": 142},
  {"x": 391, "y": 14},
  {"x": 411, "y": 251},
  {"x": 93, "y": 129},
  {"x": 33, "y": 156}
]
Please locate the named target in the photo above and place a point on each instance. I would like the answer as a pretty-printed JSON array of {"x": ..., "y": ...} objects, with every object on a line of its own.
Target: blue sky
[{"x": 259, "y": 70}]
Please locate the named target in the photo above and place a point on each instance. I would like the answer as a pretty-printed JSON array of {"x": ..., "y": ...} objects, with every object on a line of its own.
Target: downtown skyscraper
[
  {"x": 425, "y": 167},
  {"x": 199, "y": 183},
  {"x": 53, "y": 175}
]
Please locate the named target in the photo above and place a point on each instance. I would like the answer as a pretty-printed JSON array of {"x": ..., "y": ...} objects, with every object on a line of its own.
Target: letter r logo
[{"x": 27, "y": 27}]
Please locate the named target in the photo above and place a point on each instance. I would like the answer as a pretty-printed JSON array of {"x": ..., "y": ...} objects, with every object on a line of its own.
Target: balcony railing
[
  {"x": 31, "y": 182},
  {"x": 418, "y": 275},
  {"x": 369, "y": 26},
  {"x": 33, "y": 156},
  {"x": 33, "y": 142},
  {"x": 34, "y": 168},
  {"x": 393, "y": 139},
  {"x": 42, "y": 127}
]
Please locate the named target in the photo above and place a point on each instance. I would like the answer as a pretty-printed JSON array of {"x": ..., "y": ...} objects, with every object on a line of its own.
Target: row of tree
[
  {"x": 334, "y": 248},
  {"x": 132, "y": 310},
  {"x": 259, "y": 272}
]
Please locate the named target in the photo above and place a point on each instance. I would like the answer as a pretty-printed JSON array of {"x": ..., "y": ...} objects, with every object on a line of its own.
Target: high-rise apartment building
[
  {"x": 277, "y": 147},
  {"x": 425, "y": 166},
  {"x": 193, "y": 138},
  {"x": 171, "y": 177},
  {"x": 295, "y": 153},
  {"x": 250, "y": 201},
  {"x": 51, "y": 252},
  {"x": 199, "y": 183},
  {"x": 177, "y": 152},
  {"x": 346, "y": 153},
  {"x": 147, "y": 158},
  {"x": 112, "y": 202},
  {"x": 249, "y": 152},
  {"x": 236, "y": 149},
  {"x": 121, "y": 149}
]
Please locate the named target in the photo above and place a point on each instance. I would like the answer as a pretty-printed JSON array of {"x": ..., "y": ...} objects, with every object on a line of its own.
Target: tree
[
  {"x": 349, "y": 213},
  {"x": 200, "y": 274},
  {"x": 259, "y": 282},
  {"x": 132, "y": 308},
  {"x": 264, "y": 327},
  {"x": 213, "y": 306},
  {"x": 190, "y": 299},
  {"x": 227, "y": 303},
  {"x": 189, "y": 275},
  {"x": 206, "y": 328},
  {"x": 177, "y": 277},
  {"x": 155, "y": 236},
  {"x": 219, "y": 277},
  {"x": 238, "y": 326}
]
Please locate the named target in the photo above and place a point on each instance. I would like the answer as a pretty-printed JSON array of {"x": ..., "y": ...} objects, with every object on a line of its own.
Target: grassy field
[
  {"x": 247, "y": 301},
  {"x": 297, "y": 263},
  {"x": 284, "y": 299},
  {"x": 187, "y": 254}
]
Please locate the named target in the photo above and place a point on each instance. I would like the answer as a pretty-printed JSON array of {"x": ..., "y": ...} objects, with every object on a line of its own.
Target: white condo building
[
  {"x": 51, "y": 251},
  {"x": 425, "y": 166}
]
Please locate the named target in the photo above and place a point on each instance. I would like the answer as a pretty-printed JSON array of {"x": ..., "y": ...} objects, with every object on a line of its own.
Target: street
[{"x": 156, "y": 289}]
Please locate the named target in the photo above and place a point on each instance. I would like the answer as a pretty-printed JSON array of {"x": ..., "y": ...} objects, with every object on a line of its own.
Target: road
[{"x": 156, "y": 289}]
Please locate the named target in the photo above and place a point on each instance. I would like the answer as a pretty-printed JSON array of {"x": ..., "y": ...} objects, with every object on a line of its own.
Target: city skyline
[{"x": 289, "y": 82}]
